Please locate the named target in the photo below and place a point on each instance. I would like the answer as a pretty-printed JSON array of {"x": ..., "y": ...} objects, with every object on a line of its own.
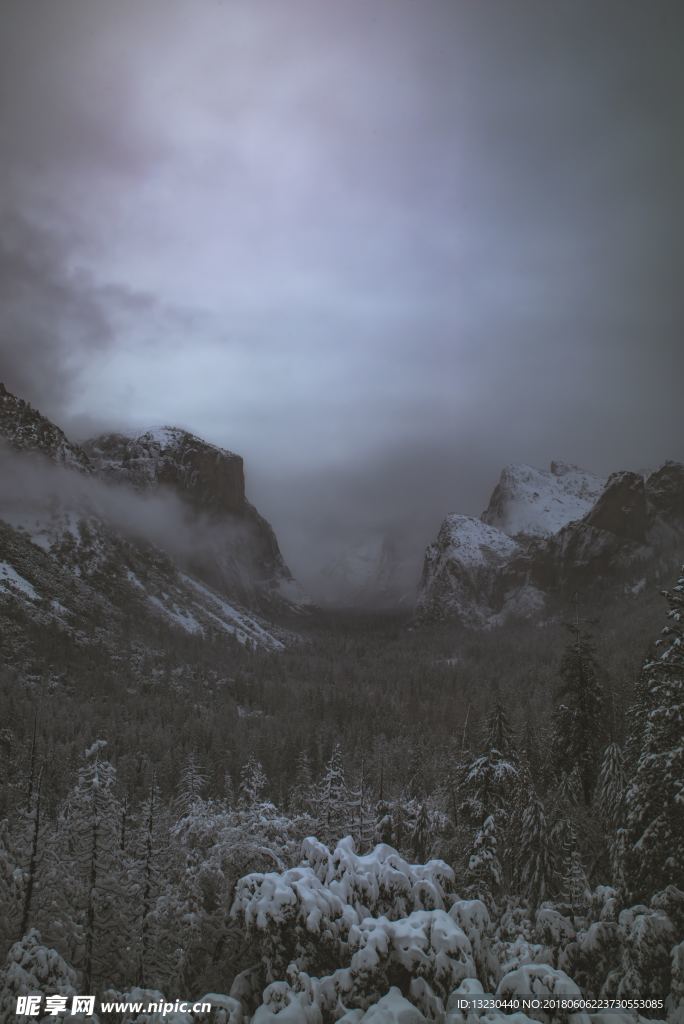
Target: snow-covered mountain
[
  {"x": 122, "y": 540},
  {"x": 547, "y": 534},
  {"x": 538, "y": 502},
  {"x": 239, "y": 551}
]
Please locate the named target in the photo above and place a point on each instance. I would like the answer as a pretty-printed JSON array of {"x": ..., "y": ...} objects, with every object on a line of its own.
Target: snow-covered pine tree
[
  {"x": 192, "y": 782},
  {"x": 228, "y": 789},
  {"x": 93, "y": 824},
  {"x": 484, "y": 868},
  {"x": 333, "y": 802},
  {"x": 577, "y": 885},
  {"x": 30, "y": 968},
  {"x": 535, "y": 863},
  {"x": 420, "y": 836},
  {"x": 611, "y": 786},
  {"x": 253, "y": 783},
  {"x": 364, "y": 821},
  {"x": 153, "y": 862},
  {"x": 579, "y": 719},
  {"x": 488, "y": 786},
  {"x": 611, "y": 805},
  {"x": 655, "y": 796},
  {"x": 570, "y": 879}
]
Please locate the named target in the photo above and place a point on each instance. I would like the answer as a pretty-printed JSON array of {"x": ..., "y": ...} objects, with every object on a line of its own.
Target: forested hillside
[{"x": 527, "y": 803}]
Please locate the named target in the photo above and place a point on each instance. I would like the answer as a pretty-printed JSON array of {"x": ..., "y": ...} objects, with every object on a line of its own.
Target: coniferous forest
[{"x": 361, "y": 818}]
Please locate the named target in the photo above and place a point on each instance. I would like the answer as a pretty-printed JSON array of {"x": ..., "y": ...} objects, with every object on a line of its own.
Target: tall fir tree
[
  {"x": 484, "y": 867},
  {"x": 93, "y": 820},
  {"x": 333, "y": 803},
  {"x": 498, "y": 731},
  {"x": 301, "y": 796},
  {"x": 579, "y": 718},
  {"x": 536, "y": 867},
  {"x": 253, "y": 783},
  {"x": 192, "y": 782},
  {"x": 655, "y": 796}
]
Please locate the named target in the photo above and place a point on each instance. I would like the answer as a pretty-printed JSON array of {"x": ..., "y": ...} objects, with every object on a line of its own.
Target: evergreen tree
[
  {"x": 33, "y": 860},
  {"x": 333, "y": 799},
  {"x": 364, "y": 825},
  {"x": 488, "y": 786},
  {"x": 302, "y": 793},
  {"x": 498, "y": 731},
  {"x": 655, "y": 797},
  {"x": 93, "y": 825},
  {"x": 611, "y": 787},
  {"x": 420, "y": 836},
  {"x": 153, "y": 863},
  {"x": 484, "y": 868},
  {"x": 536, "y": 867},
  {"x": 579, "y": 719},
  {"x": 529, "y": 746},
  {"x": 192, "y": 783},
  {"x": 12, "y": 888},
  {"x": 253, "y": 783},
  {"x": 577, "y": 886}
]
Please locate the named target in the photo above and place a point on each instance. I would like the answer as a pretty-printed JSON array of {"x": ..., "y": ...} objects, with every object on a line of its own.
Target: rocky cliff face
[
  {"x": 158, "y": 524},
  {"x": 23, "y": 429},
  {"x": 240, "y": 552},
  {"x": 558, "y": 532},
  {"x": 211, "y": 479}
]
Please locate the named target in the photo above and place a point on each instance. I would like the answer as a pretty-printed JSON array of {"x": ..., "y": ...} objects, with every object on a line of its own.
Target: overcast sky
[{"x": 381, "y": 248}]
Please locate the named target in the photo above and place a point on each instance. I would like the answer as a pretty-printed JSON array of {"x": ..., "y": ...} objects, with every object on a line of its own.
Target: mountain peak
[{"x": 539, "y": 502}]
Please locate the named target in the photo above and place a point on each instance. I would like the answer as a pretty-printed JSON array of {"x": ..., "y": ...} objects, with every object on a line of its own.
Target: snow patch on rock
[{"x": 539, "y": 502}]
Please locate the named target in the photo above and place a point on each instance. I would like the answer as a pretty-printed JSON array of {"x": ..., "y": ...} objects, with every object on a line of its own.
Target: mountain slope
[
  {"x": 128, "y": 541},
  {"x": 480, "y": 574},
  {"x": 24, "y": 429}
]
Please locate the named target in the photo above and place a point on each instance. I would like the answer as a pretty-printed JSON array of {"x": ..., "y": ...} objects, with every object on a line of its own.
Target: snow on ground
[
  {"x": 240, "y": 625},
  {"x": 10, "y": 580},
  {"x": 181, "y": 618}
]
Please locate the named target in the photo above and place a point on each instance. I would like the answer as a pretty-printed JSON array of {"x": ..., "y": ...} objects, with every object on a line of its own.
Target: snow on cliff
[{"x": 538, "y": 502}]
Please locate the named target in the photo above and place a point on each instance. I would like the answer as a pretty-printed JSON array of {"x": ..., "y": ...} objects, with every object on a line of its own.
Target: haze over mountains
[
  {"x": 125, "y": 531},
  {"x": 161, "y": 522}
]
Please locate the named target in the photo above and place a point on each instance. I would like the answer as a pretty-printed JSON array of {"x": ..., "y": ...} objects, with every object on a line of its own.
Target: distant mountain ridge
[
  {"x": 80, "y": 548},
  {"x": 548, "y": 533}
]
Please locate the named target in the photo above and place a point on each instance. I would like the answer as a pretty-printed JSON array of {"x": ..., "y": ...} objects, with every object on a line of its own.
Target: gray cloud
[{"x": 380, "y": 249}]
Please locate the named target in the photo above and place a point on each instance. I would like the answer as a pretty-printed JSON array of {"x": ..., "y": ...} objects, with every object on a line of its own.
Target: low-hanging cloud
[{"x": 33, "y": 489}]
